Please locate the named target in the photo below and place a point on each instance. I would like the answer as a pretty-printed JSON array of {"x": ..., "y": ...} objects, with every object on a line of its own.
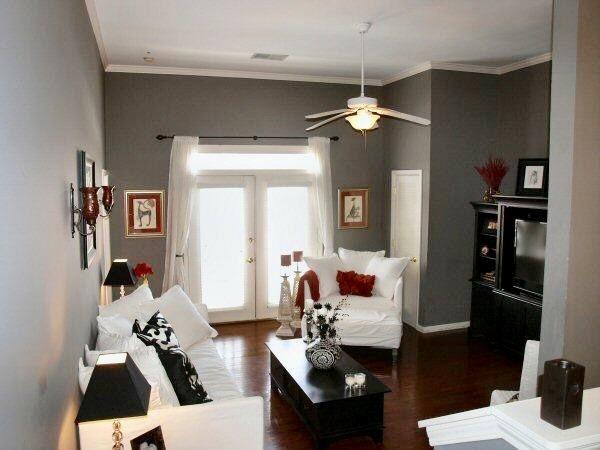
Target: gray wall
[
  {"x": 571, "y": 313},
  {"x": 473, "y": 116},
  {"x": 138, "y": 107},
  {"x": 52, "y": 104},
  {"x": 463, "y": 134},
  {"x": 408, "y": 148},
  {"x": 523, "y": 117}
]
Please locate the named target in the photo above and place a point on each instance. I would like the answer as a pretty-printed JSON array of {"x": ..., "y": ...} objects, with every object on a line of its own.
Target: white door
[
  {"x": 221, "y": 247},
  {"x": 405, "y": 239},
  {"x": 284, "y": 223}
]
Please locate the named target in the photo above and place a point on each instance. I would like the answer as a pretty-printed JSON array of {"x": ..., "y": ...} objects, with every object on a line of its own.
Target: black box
[{"x": 562, "y": 393}]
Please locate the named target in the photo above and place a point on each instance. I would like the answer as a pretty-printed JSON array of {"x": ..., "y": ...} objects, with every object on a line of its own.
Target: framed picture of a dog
[{"x": 144, "y": 213}]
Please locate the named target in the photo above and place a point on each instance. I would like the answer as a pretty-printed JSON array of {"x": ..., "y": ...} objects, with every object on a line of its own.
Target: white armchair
[
  {"x": 370, "y": 321},
  {"x": 529, "y": 378}
]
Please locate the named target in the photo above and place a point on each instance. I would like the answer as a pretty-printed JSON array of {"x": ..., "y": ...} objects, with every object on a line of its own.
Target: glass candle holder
[
  {"x": 350, "y": 380},
  {"x": 360, "y": 379}
]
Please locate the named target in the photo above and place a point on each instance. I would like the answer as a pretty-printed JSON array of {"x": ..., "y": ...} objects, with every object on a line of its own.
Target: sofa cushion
[
  {"x": 357, "y": 260},
  {"x": 182, "y": 373},
  {"x": 326, "y": 268},
  {"x": 352, "y": 283},
  {"x": 387, "y": 272},
  {"x": 212, "y": 370}
]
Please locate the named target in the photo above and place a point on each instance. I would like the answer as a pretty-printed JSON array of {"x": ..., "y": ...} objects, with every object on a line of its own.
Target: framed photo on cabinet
[
  {"x": 353, "y": 208},
  {"x": 532, "y": 177},
  {"x": 144, "y": 213}
]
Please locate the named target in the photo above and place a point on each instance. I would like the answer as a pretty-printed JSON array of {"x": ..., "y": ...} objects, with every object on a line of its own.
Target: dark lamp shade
[
  {"x": 116, "y": 389},
  {"x": 297, "y": 255},
  {"x": 120, "y": 274},
  {"x": 286, "y": 260}
]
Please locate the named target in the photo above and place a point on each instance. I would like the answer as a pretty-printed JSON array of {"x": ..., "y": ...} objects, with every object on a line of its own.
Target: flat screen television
[{"x": 530, "y": 255}]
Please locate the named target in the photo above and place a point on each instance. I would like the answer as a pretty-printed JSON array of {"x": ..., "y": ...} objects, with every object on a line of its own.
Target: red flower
[
  {"x": 493, "y": 172},
  {"x": 142, "y": 270}
]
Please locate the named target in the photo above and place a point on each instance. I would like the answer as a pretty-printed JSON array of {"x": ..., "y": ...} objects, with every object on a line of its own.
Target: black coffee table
[{"x": 319, "y": 397}]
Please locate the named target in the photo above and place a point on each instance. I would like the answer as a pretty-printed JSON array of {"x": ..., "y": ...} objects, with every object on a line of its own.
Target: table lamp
[
  {"x": 116, "y": 389},
  {"x": 120, "y": 274}
]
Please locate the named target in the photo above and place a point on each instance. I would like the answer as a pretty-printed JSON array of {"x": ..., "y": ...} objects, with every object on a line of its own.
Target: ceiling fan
[{"x": 362, "y": 112}]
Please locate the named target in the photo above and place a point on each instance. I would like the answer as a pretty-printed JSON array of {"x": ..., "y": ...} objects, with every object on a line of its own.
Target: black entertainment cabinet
[{"x": 502, "y": 313}]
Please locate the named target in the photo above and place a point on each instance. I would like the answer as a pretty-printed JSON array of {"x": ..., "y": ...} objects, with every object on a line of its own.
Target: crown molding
[
  {"x": 408, "y": 73},
  {"x": 500, "y": 70},
  {"x": 95, "y": 22},
  {"x": 545, "y": 57},
  {"x": 236, "y": 74}
]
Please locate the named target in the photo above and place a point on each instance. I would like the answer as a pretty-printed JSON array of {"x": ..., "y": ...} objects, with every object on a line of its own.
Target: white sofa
[
  {"x": 371, "y": 321},
  {"x": 229, "y": 422}
]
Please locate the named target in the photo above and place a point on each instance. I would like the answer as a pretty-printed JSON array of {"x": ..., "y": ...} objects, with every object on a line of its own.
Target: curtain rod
[{"x": 160, "y": 137}]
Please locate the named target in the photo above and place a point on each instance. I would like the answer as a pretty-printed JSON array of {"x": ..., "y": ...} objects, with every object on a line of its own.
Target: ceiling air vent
[{"x": 269, "y": 56}]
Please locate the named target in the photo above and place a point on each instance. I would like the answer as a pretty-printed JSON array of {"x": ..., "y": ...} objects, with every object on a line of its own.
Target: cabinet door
[
  {"x": 483, "y": 312},
  {"x": 512, "y": 325},
  {"x": 533, "y": 322}
]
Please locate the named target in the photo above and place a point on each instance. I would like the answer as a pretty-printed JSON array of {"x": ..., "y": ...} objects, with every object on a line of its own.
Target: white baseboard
[{"x": 443, "y": 327}]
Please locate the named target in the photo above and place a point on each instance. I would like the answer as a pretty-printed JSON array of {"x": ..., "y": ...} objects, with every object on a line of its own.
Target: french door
[
  {"x": 221, "y": 247},
  {"x": 240, "y": 227}
]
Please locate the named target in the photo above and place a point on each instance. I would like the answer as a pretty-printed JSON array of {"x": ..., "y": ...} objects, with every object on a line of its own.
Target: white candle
[
  {"x": 350, "y": 380},
  {"x": 360, "y": 379}
]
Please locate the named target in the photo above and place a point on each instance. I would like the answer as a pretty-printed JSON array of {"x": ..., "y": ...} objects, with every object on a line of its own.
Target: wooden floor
[{"x": 435, "y": 375}]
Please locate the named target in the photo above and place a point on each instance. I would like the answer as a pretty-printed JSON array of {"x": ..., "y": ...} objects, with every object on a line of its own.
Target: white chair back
[{"x": 529, "y": 373}]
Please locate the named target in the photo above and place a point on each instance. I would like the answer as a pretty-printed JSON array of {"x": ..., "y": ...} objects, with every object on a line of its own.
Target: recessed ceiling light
[
  {"x": 148, "y": 59},
  {"x": 269, "y": 56}
]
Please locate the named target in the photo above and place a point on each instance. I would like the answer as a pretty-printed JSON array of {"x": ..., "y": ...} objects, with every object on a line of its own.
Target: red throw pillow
[{"x": 352, "y": 283}]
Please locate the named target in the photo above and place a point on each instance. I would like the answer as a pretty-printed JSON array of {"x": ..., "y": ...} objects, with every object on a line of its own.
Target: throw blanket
[{"x": 313, "y": 286}]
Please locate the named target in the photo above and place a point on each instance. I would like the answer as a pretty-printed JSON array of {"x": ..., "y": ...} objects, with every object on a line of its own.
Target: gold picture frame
[
  {"x": 353, "y": 208},
  {"x": 144, "y": 213}
]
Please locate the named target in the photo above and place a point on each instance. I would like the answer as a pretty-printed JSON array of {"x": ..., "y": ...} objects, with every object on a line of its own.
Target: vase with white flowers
[{"x": 323, "y": 349}]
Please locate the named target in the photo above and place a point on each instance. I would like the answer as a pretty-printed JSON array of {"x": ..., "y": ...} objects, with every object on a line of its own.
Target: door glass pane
[
  {"x": 287, "y": 230},
  {"x": 222, "y": 233}
]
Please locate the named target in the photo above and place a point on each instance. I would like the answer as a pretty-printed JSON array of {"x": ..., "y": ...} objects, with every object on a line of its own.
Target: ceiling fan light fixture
[{"x": 363, "y": 120}]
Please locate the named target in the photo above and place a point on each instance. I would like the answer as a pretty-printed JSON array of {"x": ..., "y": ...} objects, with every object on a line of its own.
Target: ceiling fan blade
[
  {"x": 331, "y": 119},
  {"x": 326, "y": 113},
  {"x": 399, "y": 115}
]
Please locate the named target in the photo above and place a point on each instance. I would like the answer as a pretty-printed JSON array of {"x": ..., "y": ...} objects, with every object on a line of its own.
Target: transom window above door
[{"x": 252, "y": 157}]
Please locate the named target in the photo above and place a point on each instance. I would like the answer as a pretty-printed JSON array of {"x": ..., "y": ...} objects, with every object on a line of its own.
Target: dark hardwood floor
[{"x": 435, "y": 375}]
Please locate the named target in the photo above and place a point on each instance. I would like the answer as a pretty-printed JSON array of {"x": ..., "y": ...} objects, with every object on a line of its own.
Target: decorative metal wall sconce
[{"x": 89, "y": 211}]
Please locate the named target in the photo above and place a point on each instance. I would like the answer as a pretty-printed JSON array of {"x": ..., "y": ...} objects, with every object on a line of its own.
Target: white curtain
[
  {"x": 319, "y": 147},
  {"x": 179, "y": 211}
]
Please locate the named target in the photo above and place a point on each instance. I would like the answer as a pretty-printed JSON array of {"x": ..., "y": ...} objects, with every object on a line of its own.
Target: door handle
[
  {"x": 250, "y": 260},
  {"x": 413, "y": 259}
]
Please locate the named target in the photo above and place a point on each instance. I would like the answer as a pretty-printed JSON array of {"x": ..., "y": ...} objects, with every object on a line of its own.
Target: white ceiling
[{"x": 319, "y": 35}]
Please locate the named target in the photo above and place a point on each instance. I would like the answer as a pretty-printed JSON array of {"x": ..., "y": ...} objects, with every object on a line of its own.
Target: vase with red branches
[
  {"x": 492, "y": 172},
  {"x": 143, "y": 271}
]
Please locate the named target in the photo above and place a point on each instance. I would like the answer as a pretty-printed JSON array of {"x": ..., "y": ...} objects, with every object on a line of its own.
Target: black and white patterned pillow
[{"x": 180, "y": 370}]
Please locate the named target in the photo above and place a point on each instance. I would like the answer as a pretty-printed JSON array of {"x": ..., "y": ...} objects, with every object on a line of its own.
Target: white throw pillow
[
  {"x": 128, "y": 306},
  {"x": 113, "y": 332},
  {"x": 356, "y": 260},
  {"x": 387, "y": 271},
  {"x": 189, "y": 325},
  {"x": 326, "y": 268}
]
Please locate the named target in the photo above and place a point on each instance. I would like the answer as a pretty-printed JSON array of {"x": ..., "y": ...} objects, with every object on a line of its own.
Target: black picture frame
[
  {"x": 529, "y": 186},
  {"x": 86, "y": 178},
  {"x": 153, "y": 436}
]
